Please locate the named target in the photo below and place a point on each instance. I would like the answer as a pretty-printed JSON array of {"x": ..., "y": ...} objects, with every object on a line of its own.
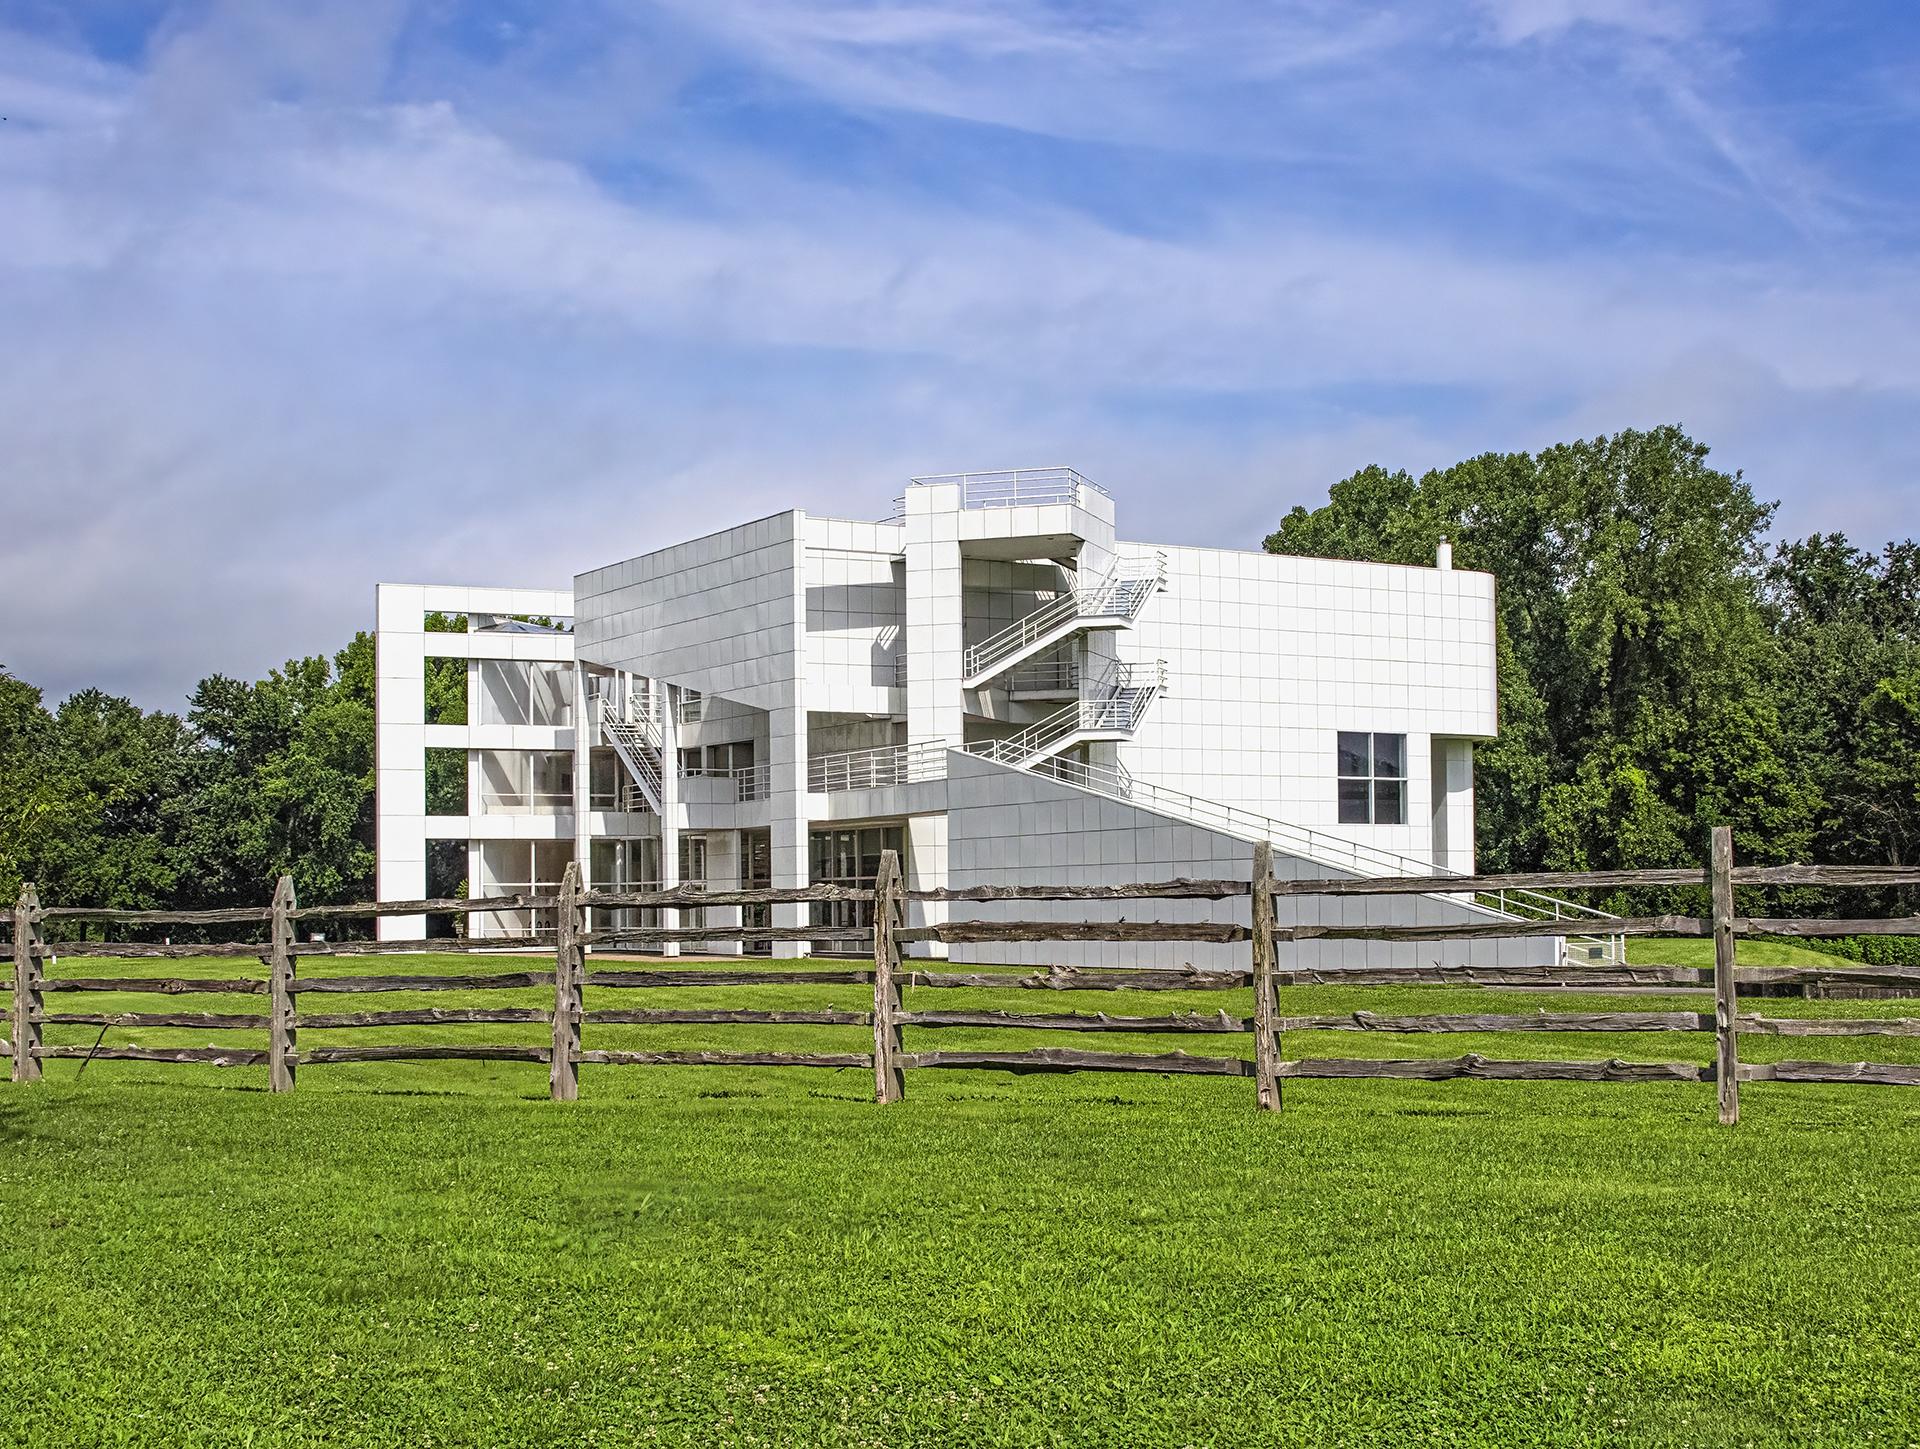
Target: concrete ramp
[{"x": 1008, "y": 826}]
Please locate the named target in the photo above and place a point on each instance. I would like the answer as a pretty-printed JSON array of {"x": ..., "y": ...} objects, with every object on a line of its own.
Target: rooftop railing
[{"x": 1009, "y": 488}]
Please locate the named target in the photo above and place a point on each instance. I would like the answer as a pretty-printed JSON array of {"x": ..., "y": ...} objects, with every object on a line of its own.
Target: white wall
[
  {"x": 1007, "y": 827},
  {"x": 724, "y": 614},
  {"x": 855, "y": 626},
  {"x": 1269, "y": 657}
]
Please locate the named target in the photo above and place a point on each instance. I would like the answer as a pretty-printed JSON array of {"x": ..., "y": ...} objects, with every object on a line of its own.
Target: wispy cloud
[{"x": 317, "y": 296}]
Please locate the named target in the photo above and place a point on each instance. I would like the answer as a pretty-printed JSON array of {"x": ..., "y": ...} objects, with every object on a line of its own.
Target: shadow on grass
[{"x": 13, "y": 1124}]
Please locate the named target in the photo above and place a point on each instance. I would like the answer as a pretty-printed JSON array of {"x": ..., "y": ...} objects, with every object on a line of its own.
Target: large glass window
[
  {"x": 693, "y": 875},
  {"x": 1372, "y": 783},
  {"x": 756, "y": 873},
  {"x": 513, "y": 692},
  {"x": 848, "y": 857}
]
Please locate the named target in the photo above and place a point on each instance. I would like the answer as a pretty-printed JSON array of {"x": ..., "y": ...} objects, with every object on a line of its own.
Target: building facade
[{"x": 990, "y": 681}]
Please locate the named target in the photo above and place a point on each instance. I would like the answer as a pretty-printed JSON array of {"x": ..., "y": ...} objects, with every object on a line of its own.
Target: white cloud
[{"x": 294, "y": 332}]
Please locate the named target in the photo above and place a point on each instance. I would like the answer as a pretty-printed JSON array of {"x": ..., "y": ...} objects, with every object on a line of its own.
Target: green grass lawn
[
  {"x": 416, "y": 1254},
  {"x": 1698, "y": 951}
]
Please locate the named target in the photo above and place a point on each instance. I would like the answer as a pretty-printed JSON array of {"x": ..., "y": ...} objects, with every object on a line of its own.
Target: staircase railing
[
  {"x": 1316, "y": 845},
  {"x": 1129, "y": 690},
  {"x": 1010, "y": 488},
  {"x": 1120, "y": 596},
  {"x": 641, "y": 748},
  {"x": 1044, "y": 676}
]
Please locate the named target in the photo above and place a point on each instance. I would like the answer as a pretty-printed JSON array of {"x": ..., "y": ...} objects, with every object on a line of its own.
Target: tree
[
  {"x": 91, "y": 797},
  {"x": 34, "y": 809},
  {"x": 1849, "y": 627},
  {"x": 284, "y": 781}
]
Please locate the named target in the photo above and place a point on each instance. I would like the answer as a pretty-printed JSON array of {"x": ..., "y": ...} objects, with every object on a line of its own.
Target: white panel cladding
[
  {"x": 724, "y": 614},
  {"x": 1000, "y": 594},
  {"x": 1453, "y": 844},
  {"x": 1269, "y": 657},
  {"x": 1007, "y": 827},
  {"x": 856, "y": 619},
  {"x": 720, "y": 614},
  {"x": 830, "y": 734}
]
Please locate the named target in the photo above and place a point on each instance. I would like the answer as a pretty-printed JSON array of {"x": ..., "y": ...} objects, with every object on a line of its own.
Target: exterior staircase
[
  {"x": 1583, "y": 928},
  {"x": 1127, "y": 690},
  {"x": 1114, "y": 603},
  {"x": 642, "y": 749}
]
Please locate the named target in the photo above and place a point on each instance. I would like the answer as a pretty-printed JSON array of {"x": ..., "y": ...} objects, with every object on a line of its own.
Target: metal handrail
[
  {"x": 1038, "y": 676},
  {"x": 1130, "y": 690},
  {"x": 525, "y": 802},
  {"x": 626, "y": 798},
  {"x": 639, "y": 743},
  {"x": 1014, "y": 487},
  {"x": 1121, "y": 595},
  {"x": 1315, "y": 845},
  {"x": 750, "y": 782},
  {"x": 871, "y": 769}
]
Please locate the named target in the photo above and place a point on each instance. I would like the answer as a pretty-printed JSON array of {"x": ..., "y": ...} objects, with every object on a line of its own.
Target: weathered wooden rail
[{"x": 890, "y": 977}]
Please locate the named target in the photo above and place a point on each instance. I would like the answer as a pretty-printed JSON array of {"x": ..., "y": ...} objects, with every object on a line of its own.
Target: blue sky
[{"x": 304, "y": 296}]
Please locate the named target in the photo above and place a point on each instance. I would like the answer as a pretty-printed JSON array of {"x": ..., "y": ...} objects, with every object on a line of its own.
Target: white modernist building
[{"x": 988, "y": 681}]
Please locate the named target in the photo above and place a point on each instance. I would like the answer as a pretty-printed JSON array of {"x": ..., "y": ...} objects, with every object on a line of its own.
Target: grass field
[
  {"x": 1659, "y": 951},
  {"x": 416, "y": 1254}
]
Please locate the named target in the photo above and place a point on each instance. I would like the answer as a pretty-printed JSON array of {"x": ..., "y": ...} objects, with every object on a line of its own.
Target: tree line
[{"x": 1663, "y": 669}]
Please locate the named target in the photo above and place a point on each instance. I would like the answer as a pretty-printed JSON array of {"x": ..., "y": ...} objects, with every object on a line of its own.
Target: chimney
[{"x": 1443, "y": 556}]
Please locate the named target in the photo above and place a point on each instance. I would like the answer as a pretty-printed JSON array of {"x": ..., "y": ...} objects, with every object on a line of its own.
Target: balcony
[
  {"x": 749, "y": 782},
  {"x": 876, "y": 768}
]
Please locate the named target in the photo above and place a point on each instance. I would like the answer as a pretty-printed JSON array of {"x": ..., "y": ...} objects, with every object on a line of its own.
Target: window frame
[{"x": 1373, "y": 779}]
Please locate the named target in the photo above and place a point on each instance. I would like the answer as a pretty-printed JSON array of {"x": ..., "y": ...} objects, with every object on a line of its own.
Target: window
[
  {"x": 734, "y": 755},
  {"x": 1373, "y": 778},
  {"x": 849, "y": 857}
]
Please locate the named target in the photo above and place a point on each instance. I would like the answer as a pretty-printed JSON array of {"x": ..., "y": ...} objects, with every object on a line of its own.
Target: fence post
[
  {"x": 1726, "y": 1003},
  {"x": 889, "y": 1045},
  {"x": 26, "y": 985},
  {"x": 282, "y": 1037},
  {"x": 569, "y": 971},
  {"x": 1266, "y": 1032}
]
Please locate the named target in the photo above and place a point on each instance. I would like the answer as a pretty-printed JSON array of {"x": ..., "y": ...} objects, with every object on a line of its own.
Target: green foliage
[
  {"x": 1849, "y": 628},
  {"x": 90, "y": 797},
  {"x": 105, "y": 803},
  {"x": 283, "y": 782},
  {"x": 1872, "y": 950},
  {"x": 446, "y": 704}
]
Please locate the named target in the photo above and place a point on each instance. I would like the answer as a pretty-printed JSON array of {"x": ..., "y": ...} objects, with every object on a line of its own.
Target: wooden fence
[{"x": 284, "y": 986}]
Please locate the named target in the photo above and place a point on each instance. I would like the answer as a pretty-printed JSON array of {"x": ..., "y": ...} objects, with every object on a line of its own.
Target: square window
[{"x": 1371, "y": 778}]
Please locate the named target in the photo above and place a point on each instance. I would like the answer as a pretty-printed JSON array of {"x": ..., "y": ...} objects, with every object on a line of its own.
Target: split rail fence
[{"x": 284, "y": 987}]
